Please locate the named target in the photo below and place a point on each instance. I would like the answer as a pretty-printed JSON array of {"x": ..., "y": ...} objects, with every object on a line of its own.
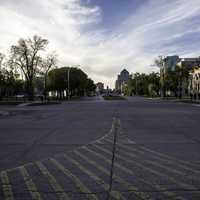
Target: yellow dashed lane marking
[
  {"x": 30, "y": 184},
  {"x": 6, "y": 186},
  {"x": 54, "y": 184},
  {"x": 77, "y": 181}
]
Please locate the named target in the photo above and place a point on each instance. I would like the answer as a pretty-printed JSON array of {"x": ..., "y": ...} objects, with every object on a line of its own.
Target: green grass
[{"x": 114, "y": 98}]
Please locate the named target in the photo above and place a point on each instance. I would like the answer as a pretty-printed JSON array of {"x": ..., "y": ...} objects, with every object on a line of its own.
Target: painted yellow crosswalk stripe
[
  {"x": 155, "y": 163},
  {"x": 169, "y": 157},
  {"x": 115, "y": 194},
  {"x": 58, "y": 189},
  {"x": 6, "y": 186},
  {"x": 76, "y": 180},
  {"x": 184, "y": 185},
  {"x": 160, "y": 159},
  {"x": 158, "y": 187},
  {"x": 183, "y": 163},
  {"x": 134, "y": 189},
  {"x": 30, "y": 184}
]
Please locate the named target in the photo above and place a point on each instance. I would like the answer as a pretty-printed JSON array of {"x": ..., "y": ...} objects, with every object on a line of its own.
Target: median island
[{"x": 113, "y": 97}]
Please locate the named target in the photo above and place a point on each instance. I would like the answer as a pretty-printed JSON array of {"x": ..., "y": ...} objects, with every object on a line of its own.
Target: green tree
[
  {"x": 144, "y": 84},
  {"x": 159, "y": 62},
  {"x": 46, "y": 64},
  {"x": 175, "y": 80},
  {"x": 77, "y": 85},
  {"x": 25, "y": 55},
  {"x": 90, "y": 86}
]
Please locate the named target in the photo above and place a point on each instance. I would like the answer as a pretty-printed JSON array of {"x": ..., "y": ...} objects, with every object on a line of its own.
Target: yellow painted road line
[
  {"x": 100, "y": 140},
  {"x": 183, "y": 162},
  {"x": 115, "y": 194},
  {"x": 184, "y": 185},
  {"x": 6, "y": 186},
  {"x": 161, "y": 159},
  {"x": 30, "y": 184},
  {"x": 53, "y": 182},
  {"x": 130, "y": 187},
  {"x": 158, "y": 187},
  {"x": 76, "y": 180},
  {"x": 155, "y": 163},
  {"x": 169, "y": 157}
]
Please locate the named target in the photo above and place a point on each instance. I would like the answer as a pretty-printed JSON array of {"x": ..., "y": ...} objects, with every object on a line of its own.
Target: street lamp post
[{"x": 68, "y": 84}]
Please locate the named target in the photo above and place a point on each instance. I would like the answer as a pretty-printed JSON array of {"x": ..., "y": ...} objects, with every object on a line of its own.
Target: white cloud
[{"x": 149, "y": 31}]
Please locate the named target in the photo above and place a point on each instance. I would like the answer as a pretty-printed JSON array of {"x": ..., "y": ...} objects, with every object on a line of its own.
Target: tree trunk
[
  {"x": 45, "y": 87},
  {"x": 30, "y": 90}
]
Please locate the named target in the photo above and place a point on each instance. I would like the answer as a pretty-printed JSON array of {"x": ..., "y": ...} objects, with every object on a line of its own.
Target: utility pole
[
  {"x": 136, "y": 85},
  {"x": 68, "y": 83},
  {"x": 162, "y": 76}
]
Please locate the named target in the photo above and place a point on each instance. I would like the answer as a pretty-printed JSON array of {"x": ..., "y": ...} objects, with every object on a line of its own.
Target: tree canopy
[
  {"x": 144, "y": 84},
  {"x": 78, "y": 83}
]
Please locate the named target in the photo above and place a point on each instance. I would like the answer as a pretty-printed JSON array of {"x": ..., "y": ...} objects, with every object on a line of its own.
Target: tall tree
[
  {"x": 78, "y": 83},
  {"x": 26, "y": 56},
  {"x": 1, "y": 74},
  {"x": 46, "y": 64},
  {"x": 159, "y": 62}
]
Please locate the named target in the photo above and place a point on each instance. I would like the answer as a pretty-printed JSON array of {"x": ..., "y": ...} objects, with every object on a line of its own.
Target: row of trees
[
  {"x": 23, "y": 65},
  {"x": 175, "y": 81},
  {"x": 172, "y": 81},
  {"x": 10, "y": 84},
  {"x": 169, "y": 82},
  {"x": 143, "y": 84},
  {"x": 28, "y": 65},
  {"x": 69, "y": 81}
]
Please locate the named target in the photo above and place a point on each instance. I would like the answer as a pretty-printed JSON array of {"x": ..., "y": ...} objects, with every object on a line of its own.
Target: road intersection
[{"x": 148, "y": 165}]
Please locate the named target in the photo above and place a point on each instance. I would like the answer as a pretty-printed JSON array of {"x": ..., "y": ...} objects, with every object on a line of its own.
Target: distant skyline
[{"x": 105, "y": 36}]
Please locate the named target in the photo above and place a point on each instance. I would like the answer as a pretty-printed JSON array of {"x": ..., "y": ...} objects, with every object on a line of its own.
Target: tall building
[
  {"x": 122, "y": 79},
  {"x": 190, "y": 63},
  {"x": 170, "y": 62}
]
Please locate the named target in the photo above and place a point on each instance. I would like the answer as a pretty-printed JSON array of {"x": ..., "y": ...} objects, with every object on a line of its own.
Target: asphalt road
[{"x": 65, "y": 151}]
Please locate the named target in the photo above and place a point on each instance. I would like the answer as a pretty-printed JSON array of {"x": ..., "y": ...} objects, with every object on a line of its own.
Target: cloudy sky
[{"x": 104, "y": 36}]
